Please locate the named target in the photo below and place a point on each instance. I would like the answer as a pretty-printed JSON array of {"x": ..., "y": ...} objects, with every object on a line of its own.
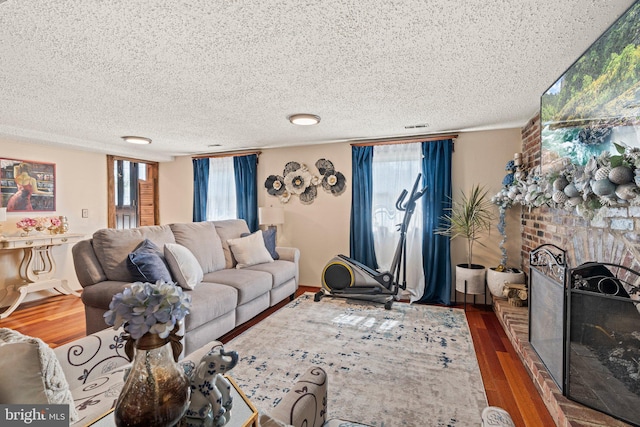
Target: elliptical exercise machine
[{"x": 345, "y": 277}]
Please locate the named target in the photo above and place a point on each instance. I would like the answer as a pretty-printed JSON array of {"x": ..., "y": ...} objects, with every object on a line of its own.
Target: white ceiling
[{"x": 191, "y": 74}]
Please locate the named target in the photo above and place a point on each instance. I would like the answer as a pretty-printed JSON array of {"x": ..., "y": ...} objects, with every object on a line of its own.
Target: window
[
  {"x": 226, "y": 188},
  {"x": 221, "y": 196},
  {"x": 394, "y": 168}
]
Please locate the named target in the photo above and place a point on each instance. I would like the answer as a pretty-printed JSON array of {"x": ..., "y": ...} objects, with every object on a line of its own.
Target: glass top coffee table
[{"x": 243, "y": 413}]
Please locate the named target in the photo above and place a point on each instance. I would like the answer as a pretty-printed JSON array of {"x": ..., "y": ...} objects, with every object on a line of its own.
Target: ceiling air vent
[{"x": 418, "y": 126}]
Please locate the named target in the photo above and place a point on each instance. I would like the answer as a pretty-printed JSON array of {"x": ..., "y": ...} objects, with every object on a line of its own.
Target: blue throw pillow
[
  {"x": 269, "y": 237},
  {"x": 146, "y": 264}
]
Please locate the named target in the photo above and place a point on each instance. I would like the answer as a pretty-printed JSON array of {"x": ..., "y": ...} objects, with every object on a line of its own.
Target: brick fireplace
[
  {"x": 612, "y": 237},
  {"x": 565, "y": 412}
]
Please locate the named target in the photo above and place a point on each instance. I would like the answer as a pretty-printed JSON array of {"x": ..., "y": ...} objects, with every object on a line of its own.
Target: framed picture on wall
[
  {"x": 27, "y": 186},
  {"x": 596, "y": 102}
]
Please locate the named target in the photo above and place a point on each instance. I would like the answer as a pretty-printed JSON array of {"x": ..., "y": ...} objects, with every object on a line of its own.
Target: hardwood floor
[
  {"x": 506, "y": 380},
  {"x": 60, "y": 319}
]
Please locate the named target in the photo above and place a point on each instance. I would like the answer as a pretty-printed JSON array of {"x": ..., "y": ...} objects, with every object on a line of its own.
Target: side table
[{"x": 37, "y": 267}]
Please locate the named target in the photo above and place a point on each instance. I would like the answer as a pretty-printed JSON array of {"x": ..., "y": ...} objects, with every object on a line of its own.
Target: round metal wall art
[{"x": 297, "y": 179}]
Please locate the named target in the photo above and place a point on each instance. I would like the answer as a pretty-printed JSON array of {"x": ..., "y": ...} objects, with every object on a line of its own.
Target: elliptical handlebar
[
  {"x": 400, "y": 200},
  {"x": 418, "y": 194},
  {"x": 398, "y": 264},
  {"x": 415, "y": 195}
]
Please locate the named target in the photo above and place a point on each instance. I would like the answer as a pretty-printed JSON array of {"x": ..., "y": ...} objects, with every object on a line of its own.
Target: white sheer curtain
[
  {"x": 395, "y": 167},
  {"x": 221, "y": 194}
]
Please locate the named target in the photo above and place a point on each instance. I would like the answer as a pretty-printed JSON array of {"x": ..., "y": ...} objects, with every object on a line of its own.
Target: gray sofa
[{"x": 225, "y": 298}]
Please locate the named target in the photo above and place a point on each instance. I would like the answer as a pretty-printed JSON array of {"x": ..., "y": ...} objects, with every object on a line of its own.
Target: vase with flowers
[
  {"x": 50, "y": 223},
  {"x": 156, "y": 390},
  {"x": 26, "y": 225}
]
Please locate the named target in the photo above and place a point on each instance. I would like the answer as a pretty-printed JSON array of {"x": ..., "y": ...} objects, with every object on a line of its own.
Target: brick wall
[{"x": 612, "y": 236}]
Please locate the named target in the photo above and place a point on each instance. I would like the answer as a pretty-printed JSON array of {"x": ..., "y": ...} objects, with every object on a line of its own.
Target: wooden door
[
  {"x": 132, "y": 193},
  {"x": 146, "y": 202}
]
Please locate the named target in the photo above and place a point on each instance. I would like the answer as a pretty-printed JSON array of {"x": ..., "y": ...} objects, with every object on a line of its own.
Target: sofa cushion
[
  {"x": 112, "y": 247},
  {"x": 42, "y": 380},
  {"x": 249, "y": 250},
  {"x": 147, "y": 264},
  {"x": 269, "y": 236},
  {"x": 100, "y": 294},
  {"x": 86, "y": 264},
  {"x": 184, "y": 266},
  {"x": 202, "y": 239},
  {"x": 230, "y": 229},
  {"x": 249, "y": 284},
  {"x": 281, "y": 271},
  {"x": 208, "y": 302}
]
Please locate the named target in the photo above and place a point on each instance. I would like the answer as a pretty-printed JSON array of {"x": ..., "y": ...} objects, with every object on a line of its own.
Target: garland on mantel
[{"x": 605, "y": 181}]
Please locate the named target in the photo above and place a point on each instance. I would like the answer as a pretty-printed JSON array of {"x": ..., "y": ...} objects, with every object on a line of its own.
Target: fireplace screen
[
  {"x": 603, "y": 340},
  {"x": 546, "y": 307}
]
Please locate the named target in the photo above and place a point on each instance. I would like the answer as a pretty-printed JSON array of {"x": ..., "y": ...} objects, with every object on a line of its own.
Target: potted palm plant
[{"x": 469, "y": 218}]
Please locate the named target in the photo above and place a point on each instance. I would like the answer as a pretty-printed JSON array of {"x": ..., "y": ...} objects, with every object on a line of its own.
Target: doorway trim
[{"x": 152, "y": 173}]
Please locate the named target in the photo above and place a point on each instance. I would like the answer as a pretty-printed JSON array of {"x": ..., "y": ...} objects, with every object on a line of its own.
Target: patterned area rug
[{"x": 413, "y": 365}]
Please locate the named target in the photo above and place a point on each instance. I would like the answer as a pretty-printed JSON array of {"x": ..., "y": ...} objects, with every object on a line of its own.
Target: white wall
[
  {"x": 175, "y": 182},
  {"x": 81, "y": 183},
  {"x": 320, "y": 230},
  {"x": 480, "y": 158}
]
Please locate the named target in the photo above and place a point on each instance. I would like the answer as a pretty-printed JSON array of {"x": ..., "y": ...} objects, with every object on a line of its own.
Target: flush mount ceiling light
[
  {"x": 304, "y": 119},
  {"x": 137, "y": 140}
]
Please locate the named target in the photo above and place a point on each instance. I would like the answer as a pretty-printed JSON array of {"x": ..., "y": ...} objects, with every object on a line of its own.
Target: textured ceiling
[{"x": 192, "y": 74}]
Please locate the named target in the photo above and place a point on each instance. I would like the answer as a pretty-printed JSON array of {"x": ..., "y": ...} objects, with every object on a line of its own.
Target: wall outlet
[{"x": 85, "y": 213}]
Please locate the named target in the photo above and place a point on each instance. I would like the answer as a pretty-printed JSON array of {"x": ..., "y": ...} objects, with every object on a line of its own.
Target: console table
[{"x": 37, "y": 268}]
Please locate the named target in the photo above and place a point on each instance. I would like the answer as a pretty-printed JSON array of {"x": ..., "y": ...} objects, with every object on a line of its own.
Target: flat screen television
[{"x": 596, "y": 102}]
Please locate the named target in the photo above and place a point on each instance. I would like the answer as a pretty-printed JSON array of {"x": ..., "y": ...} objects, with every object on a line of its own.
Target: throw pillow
[
  {"x": 202, "y": 239},
  {"x": 250, "y": 250},
  {"x": 184, "y": 266},
  {"x": 147, "y": 264},
  {"x": 30, "y": 373},
  {"x": 269, "y": 236}
]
